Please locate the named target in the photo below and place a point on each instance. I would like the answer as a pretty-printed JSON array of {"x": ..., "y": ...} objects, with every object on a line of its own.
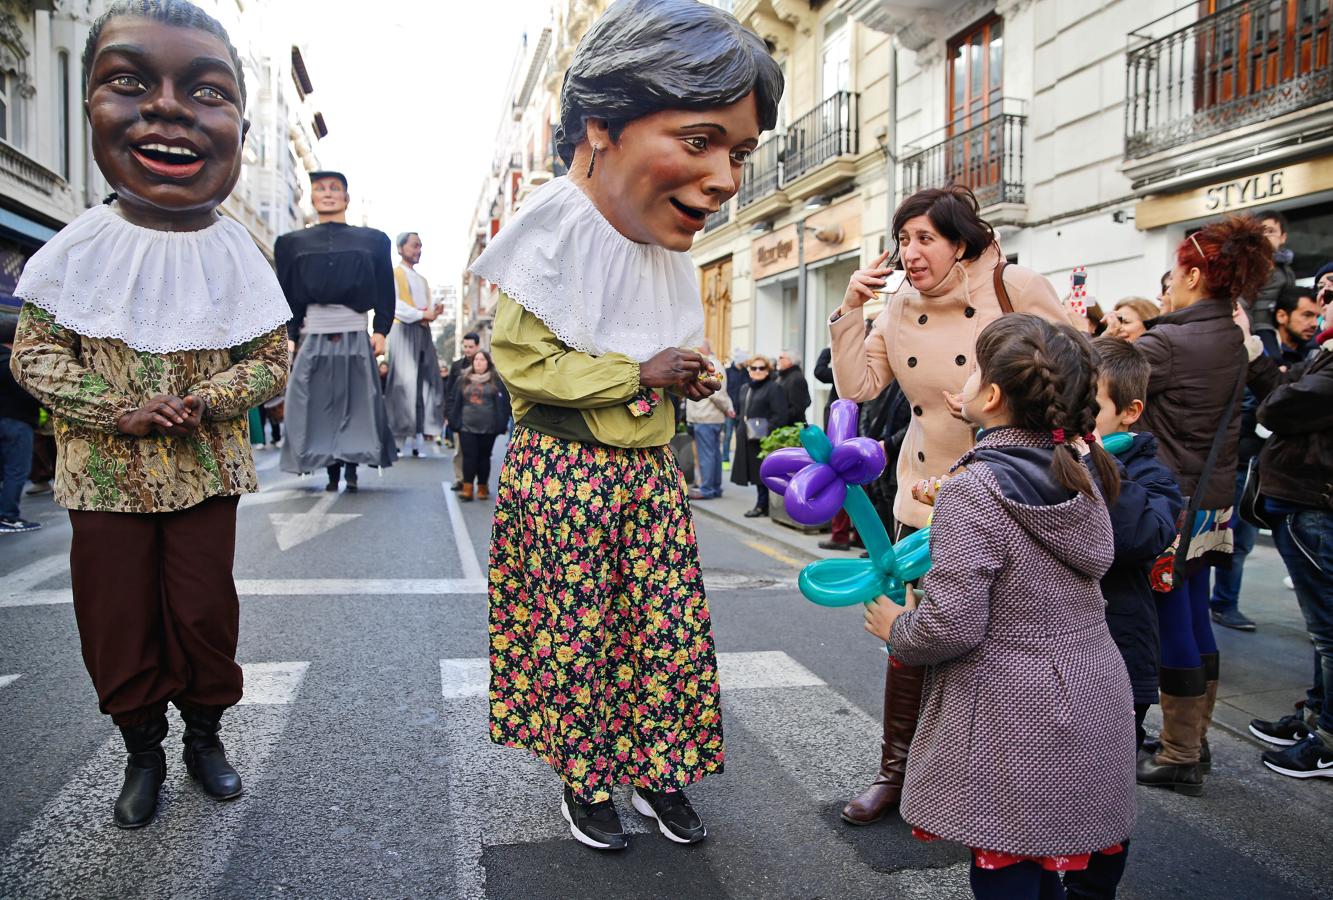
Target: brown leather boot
[
  {"x": 1211, "y": 670},
  {"x": 902, "y": 703},
  {"x": 466, "y": 493},
  {"x": 483, "y": 492},
  {"x": 1175, "y": 766}
]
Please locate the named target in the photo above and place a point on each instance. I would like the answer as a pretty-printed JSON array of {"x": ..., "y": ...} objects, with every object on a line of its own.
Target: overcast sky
[{"x": 412, "y": 91}]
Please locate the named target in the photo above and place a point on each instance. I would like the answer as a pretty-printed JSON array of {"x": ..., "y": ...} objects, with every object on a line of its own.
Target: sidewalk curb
[{"x": 773, "y": 534}]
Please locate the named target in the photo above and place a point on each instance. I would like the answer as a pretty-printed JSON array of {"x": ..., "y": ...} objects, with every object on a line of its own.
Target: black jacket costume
[{"x": 336, "y": 265}]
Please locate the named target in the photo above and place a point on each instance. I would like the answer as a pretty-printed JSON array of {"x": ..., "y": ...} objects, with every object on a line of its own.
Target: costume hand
[
  {"x": 699, "y": 389},
  {"x": 881, "y": 613},
  {"x": 377, "y": 344},
  {"x": 861, "y": 289},
  {"x": 194, "y": 417},
  {"x": 291, "y": 349},
  {"x": 672, "y": 367},
  {"x": 161, "y": 413}
]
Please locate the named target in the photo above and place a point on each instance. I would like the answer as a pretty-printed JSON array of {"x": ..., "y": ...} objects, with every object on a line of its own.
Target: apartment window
[
  {"x": 976, "y": 64},
  {"x": 835, "y": 60},
  {"x": 65, "y": 131},
  {"x": 5, "y": 81},
  {"x": 1246, "y": 49}
]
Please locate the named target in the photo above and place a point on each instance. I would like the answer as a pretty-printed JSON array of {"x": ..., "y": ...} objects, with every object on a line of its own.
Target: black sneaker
[
  {"x": 594, "y": 824},
  {"x": 1311, "y": 758},
  {"x": 1233, "y": 619},
  {"x": 675, "y": 817},
  {"x": 1285, "y": 732},
  {"x": 17, "y": 525}
]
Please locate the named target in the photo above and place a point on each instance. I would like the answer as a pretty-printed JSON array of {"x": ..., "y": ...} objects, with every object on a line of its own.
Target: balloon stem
[{"x": 870, "y": 527}]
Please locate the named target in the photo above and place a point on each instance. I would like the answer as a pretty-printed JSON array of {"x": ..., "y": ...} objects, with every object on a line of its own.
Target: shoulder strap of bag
[
  {"x": 1196, "y": 499},
  {"x": 1000, "y": 293}
]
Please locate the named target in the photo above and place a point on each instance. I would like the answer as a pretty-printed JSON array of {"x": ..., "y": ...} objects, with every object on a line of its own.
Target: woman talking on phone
[{"x": 957, "y": 282}]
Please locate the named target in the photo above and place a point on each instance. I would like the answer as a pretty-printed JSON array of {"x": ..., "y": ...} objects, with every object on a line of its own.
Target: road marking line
[
  {"x": 763, "y": 669},
  {"x": 775, "y": 554},
  {"x": 293, "y": 529},
  {"x": 460, "y": 678},
  {"x": 6, "y": 680},
  {"x": 70, "y": 848},
  {"x": 272, "y": 683},
  {"x": 34, "y": 573},
  {"x": 289, "y": 587},
  {"x": 466, "y": 554}
]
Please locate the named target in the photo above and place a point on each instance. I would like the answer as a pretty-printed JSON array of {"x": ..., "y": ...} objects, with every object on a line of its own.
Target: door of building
[
  {"x": 715, "y": 287},
  {"x": 976, "y": 127}
]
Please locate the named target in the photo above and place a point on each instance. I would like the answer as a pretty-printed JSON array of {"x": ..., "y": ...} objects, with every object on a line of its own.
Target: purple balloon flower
[{"x": 814, "y": 489}]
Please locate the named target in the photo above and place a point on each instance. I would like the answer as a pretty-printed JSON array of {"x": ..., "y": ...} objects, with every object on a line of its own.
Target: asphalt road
[{"x": 368, "y": 772}]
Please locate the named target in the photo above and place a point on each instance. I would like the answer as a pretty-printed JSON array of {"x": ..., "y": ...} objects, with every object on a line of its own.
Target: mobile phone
[
  {"x": 893, "y": 281},
  {"x": 1080, "y": 279}
]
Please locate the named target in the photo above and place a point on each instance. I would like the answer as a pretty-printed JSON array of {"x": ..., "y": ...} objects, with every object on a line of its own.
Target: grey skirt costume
[
  {"x": 335, "y": 411},
  {"x": 414, "y": 390}
]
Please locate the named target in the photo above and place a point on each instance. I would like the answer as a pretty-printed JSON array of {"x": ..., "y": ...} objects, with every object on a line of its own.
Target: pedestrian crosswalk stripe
[
  {"x": 272, "y": 683},
  {"x": 463, "y": 677},
  {"x": 71, "y": 848},
  {"x": 467, "y": 555},
  {"x": 763, "y": 669},
  {"x": 7, "y": 680}
]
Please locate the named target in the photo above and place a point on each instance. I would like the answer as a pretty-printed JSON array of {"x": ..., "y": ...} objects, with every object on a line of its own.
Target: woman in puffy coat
[{"x": 481, "y": 414}]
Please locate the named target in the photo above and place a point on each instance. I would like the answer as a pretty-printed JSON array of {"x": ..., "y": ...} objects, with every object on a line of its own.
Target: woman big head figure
[
  {"x": 1198, "y": 374},
  {"x": 602, "y": 659},
  {"x": 925, "y": 338}
]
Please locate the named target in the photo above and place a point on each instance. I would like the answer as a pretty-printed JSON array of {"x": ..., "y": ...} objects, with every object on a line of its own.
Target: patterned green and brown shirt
[{"x": 89, "y": 383}]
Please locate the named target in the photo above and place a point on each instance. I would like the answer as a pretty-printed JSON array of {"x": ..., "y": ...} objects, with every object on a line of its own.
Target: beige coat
[{"x": 927, "y": 340}]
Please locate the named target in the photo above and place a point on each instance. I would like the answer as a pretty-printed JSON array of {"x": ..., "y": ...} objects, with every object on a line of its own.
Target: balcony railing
[
  {"x": 826, "y": 132},
  {"x": 763, "y": 171},
  {"x": 718, "y": 219},
  {"x": 17, "y": 166},
  {"x": 1243, "y": 64},
  {"x": 988, "y": 158}
]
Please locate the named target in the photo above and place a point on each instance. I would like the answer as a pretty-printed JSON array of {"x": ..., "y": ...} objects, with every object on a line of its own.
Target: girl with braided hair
[
  {"x": 1199, "y": 366},
  {"x": 1028, "y": 702}
]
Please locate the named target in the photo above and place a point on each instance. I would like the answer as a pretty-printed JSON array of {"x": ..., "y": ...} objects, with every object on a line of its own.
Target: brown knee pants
[{"x": 156, "y": 607}]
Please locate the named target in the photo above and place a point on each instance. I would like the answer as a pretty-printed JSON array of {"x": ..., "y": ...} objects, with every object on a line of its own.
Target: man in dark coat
[
  {"x": 736, "y": 378},
  {"x": 1296, "y": 484},
  {"x": 794, "y": 385},
  {"x": 1275, "y": 229},
  {"x": 457, "y": 369}
]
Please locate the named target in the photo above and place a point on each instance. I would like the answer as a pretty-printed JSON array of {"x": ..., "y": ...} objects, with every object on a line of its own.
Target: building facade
[{"x": 47, "y": 173}]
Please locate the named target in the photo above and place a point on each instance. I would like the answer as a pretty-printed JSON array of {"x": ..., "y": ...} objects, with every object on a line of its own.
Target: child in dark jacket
[{"x": 1143, "y": 519}]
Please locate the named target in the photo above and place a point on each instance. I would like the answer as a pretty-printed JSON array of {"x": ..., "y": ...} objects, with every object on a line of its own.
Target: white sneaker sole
[
  {"x": 580, "y": 836},
  {"x": 642, "y": 808},
  {"x": 1294, "y": 773},
  {"x": 1269, "y": 739}
]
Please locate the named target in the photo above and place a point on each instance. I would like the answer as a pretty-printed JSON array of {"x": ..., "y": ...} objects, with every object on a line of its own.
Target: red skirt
[{"x": 994, "y": 859}]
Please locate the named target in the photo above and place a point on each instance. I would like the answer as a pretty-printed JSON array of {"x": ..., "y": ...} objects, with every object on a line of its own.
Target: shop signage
[
  {"x": 829, "y": 232},
  {"x": 1242, "y": 192}
]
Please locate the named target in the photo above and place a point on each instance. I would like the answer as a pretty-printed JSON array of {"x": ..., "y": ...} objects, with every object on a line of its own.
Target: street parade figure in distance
[
  {"x": 333, "y": 274},
  {"x": 957, "y": 282},
  {"x": 151, "y": 325},
  {"x": 602, "y": 657},
  {"x": 1024, "y": 752},
  {"x": 414, "y": 390}
]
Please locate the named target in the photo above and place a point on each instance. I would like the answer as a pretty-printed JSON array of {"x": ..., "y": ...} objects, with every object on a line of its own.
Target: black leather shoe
[
  {"x": 595, "y": 825},
  {"x": 1184, "y": 779},
  {"x": 144, "y": 773},
  {"x": 204, "y": 755},
  {"x": 676, "y": 818},
  {"x": 755, "y": 513}
]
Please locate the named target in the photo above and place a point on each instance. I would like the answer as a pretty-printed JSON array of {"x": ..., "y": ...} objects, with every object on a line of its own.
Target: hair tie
[
  {"x": 1089, "y": 438},
  {"x": 1058, "y": 435}
]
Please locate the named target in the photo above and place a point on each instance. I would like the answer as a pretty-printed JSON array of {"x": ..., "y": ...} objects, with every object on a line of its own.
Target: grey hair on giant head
[
  {"x": 177, "y": 13},
  {"x": 646, "y": 56},
  {"x": 402, "y": 239}
]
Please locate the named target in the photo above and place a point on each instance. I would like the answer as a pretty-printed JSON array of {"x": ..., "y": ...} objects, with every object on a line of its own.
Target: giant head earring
[{"x": 592, "y": 162}]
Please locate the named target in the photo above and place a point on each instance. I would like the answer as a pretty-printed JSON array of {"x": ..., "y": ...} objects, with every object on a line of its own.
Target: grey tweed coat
[{"x": 1025, "y": 742}]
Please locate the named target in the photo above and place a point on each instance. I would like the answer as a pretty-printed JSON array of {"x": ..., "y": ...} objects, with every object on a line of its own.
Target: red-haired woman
[{"x": 1199, "y": 363}]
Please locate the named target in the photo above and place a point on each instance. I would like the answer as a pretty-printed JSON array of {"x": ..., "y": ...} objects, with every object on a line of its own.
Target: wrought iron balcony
[
  {"x": 826, "y": 132},
  {"x": 718, "y": 219},
  {"x": 1247, "y": 63},
  {"x": 988, "y": 158},
  {"x": 763, "y": 171}
]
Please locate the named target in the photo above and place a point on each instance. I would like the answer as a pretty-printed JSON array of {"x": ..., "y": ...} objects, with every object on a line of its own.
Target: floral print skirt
[{"x": 602, "y": 659}]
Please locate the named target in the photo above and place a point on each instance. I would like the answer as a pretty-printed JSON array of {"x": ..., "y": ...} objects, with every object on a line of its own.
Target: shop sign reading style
[{"x": 1241, "y": 192}]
